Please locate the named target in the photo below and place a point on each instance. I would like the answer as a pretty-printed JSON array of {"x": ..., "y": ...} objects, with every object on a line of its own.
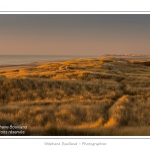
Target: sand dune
[{"x": 101, "y": 96}]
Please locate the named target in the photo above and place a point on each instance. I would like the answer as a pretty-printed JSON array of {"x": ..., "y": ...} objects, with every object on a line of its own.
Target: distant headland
[{"x": 127, "y": 55}]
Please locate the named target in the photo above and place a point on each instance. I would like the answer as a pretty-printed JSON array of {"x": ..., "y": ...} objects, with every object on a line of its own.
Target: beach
[
  {"x": 38, "y": 63},
  {"x": 27, "y": 65},
  {"x": 17, "y": 67},
  {"x": 16, "y": 62}
]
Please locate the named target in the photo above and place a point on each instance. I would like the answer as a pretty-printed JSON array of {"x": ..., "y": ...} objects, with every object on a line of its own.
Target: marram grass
[{"x": 106, "y": 96}]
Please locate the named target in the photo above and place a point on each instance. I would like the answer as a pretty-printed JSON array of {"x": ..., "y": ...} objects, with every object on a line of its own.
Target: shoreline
[{"x": 6, "y": 67}]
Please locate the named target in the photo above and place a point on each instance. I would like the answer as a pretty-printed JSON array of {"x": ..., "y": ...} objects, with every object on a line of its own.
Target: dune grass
[{"x": 106, "y": 96}]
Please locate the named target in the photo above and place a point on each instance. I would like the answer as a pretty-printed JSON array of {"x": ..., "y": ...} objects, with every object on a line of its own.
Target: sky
[{"x": 74, "y": 34}]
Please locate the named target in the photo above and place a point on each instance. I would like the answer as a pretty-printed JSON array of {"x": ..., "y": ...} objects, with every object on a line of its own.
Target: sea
[{"x": 25, "y": 59}]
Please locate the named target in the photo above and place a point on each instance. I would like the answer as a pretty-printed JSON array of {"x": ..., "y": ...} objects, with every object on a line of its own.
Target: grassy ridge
[{"x": 106, "y": 96}]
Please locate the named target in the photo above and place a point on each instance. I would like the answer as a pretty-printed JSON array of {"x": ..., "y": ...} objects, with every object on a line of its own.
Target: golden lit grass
[
  {"x": 111, "y": 123},
  {"x": 106, "y": 96},
  {"x": 78, "y": 69},
  {"x": 96, "y": 124}
]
